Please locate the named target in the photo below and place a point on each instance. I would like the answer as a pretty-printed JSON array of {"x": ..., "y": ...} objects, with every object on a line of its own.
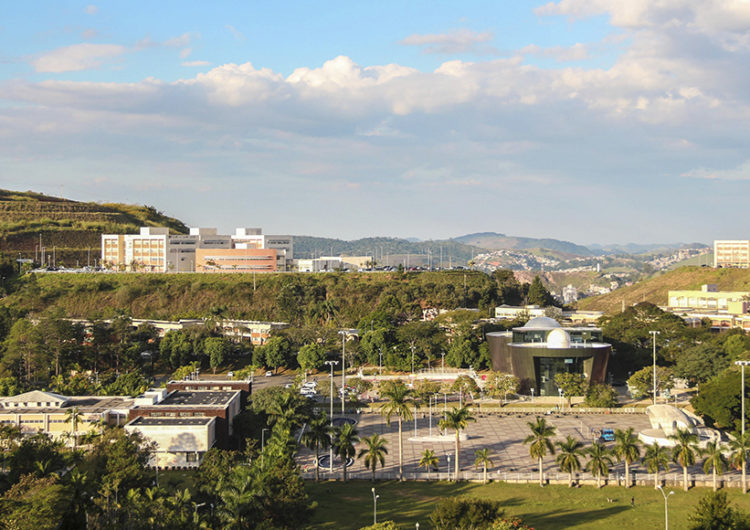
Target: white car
[
  {"x": 310, "y": 384},
  {"x": 269, "y": 374}
]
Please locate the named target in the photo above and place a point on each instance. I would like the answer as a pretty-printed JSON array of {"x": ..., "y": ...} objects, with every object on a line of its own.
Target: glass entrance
[{"x": 545, "y": 369}]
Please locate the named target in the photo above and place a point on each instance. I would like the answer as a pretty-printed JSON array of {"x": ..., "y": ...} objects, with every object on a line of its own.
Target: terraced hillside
[
  {"x": 655, "y": 289},
  {"x": 70, "y": 227}
]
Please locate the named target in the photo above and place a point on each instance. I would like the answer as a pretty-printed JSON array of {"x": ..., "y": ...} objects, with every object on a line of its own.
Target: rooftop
[
  {"x": 198, "y": 398},
  {"x": 164, "y": 422}
]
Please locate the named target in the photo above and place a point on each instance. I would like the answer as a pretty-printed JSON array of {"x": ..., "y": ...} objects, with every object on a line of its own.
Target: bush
[
  {"x": 603, "y": 396},
  {"x": 714, "y": 512},
  {"x": 465, "y": 514},
  {"x": 385, "y": 525}
]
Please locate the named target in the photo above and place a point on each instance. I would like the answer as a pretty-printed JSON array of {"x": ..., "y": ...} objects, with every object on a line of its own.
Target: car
[
  {"x": 310, "y": 384},
  {"x": 230, "y": 374},
  {"x": 608, "y": 435},
  {"x": 269, "y": 374}
]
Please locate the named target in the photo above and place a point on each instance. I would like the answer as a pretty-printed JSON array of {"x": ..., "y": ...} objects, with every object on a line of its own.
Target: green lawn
[{"x": 350, "y": 505}]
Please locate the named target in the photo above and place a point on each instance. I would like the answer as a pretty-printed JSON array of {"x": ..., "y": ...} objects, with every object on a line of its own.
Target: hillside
[
  {"x": 71, "y": 227},
  {"x": 495, "y": 241},
  {"x": 393, "y": 250},
  {"x": 655, "y": 289}
]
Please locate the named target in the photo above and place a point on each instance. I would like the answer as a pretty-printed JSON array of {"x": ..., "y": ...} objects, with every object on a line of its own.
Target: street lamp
[
  {"x": 443, "y": 360},
  {"x": 666, "y": 509},
  {"x": 449, "y": 468},
  {"x": 380, "y": 364},
  {"x": 654, "y": 334},
  {"x": 344, "y": 335},
  {"x": 742, "y": 391},
  {"x": 560, "y": 391},
  {"x": 374, "y": 507},
  {"x": 330, "y": 455},
  {"x": 532, "y": 395}
]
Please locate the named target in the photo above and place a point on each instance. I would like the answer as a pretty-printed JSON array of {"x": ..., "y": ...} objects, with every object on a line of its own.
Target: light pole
[
  {"x": 412, "y": 360},
  {"x": 330, "y": 454},
  {"x": 443, "y": 360},
  {"x": 742, "y": 392},
  {"x": 450, "y": 477},
  {"x": 380, "y": 364},
  {"x": 374, "y": 507},
  {"x": 532, "y": 395},
  {"x": 666, "y": 509},
  {"x": 654, "y": 334},
  {"x": 344, "y": 334},
  {"x": 560, "y": 391}
]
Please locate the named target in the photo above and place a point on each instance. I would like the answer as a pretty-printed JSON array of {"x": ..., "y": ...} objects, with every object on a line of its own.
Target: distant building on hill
[
  {"x": 153, "y": 249},
  {"x": 732, "y": 253},
  {"x": 724, "y": 309}
]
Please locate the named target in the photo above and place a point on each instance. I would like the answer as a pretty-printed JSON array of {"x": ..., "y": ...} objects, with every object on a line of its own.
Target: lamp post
[
  {"x": 330, "y": 454},
  {"x": 666, "y": 508},
  {"x": 443, "y": 360},
  {"x": 532, "y": 395},
  {"x": 412, "y": 360},
  {"x": 344, "y": 334},
  {"x": 374, "y": 507},
  {"x": 380, "y": 364},
  {"x": 560, "y": 391},
  {"x": 742, "y": 391},
  {"x": 654, "y": 334},
  {"x": 449, "y": 469}
]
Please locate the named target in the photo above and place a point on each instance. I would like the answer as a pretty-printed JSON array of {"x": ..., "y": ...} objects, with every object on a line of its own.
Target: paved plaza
[{"x": 502, "y": 434}]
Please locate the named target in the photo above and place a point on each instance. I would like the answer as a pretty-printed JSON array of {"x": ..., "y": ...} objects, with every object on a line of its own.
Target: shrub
[
  {"x": 465, "y": 514},
  {"x": 599, "y": 395}
]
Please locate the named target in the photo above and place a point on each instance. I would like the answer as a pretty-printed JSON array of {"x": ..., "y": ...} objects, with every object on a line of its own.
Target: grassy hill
[
  {"x": 495, "y": 241},
  {"x": 71, "y": 227},
  {"x": 655, "y": 289}
]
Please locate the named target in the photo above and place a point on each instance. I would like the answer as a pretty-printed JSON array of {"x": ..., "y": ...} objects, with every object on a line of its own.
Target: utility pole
[{"x": 654, "y": 334}]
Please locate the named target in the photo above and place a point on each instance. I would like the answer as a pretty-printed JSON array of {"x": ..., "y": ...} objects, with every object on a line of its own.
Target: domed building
[{"x": 542, "y": 348}]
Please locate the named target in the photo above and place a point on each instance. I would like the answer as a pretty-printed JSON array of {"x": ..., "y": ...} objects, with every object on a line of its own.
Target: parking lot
[{"x": 503, "y": 435}]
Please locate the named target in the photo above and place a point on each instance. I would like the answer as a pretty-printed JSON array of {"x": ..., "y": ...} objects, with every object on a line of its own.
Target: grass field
[{"x": 349, "y": 505}]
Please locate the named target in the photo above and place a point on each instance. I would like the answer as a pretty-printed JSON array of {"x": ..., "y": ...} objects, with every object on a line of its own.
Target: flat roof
[
  {"x": 85, "y": 405},
  {"x": 198, "y": 397},
  {"x": 147, "y": 421}
]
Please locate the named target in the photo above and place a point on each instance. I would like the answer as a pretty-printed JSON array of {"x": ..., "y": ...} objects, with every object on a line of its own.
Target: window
[{"x": 191, "y": 457}]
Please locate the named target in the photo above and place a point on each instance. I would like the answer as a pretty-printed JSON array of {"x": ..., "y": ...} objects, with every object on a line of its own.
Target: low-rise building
[
  {"x": 732, "y": 253},
  {"x": 709, "y": 298}
]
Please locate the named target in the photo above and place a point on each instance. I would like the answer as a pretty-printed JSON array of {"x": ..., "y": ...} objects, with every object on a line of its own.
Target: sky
[{"x": 593, "y": 121}]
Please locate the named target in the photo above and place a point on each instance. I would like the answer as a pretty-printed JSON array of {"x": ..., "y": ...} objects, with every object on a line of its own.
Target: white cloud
[
  {"x": 182, "y": 40},
  {"x": 577, "y": 52},
  {"x": 91, "y": 9},
  {"x": 739, "y": 173},
  {"x": 455, "y": 42},
  {"x": 185, "y": 53},
  {"x": 77, "y": 57},
  {"x": 89, "y": 34},
  {"x": 237, "y": 34},
  {"x": 196, "y": 63}
]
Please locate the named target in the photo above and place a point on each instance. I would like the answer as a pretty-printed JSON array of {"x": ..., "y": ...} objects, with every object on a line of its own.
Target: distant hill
[
  {"x": 390, "y": 248},
  {"x": 638, "y": 248},
  {"x": 495, "y": 241},
  {"x": 655, "y": 289},
  {"x": 71, "y": 227}
]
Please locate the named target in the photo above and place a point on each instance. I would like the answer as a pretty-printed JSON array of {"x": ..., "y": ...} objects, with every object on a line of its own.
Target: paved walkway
[{"x": 503, "y": 435}]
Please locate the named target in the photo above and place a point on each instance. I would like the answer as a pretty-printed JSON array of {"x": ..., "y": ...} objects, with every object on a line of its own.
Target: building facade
[
  {"x": 732, "y": 253},
  {"x": 542, "y": 348}
]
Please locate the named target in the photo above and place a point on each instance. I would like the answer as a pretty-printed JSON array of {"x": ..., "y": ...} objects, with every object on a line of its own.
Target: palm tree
[
  {"x": 429, "y": 461},
  {"x": 482, "y": 459},
  {"x": 568, "y": 457},
  {"x": 626, "y": 449},
  {"x": 397, "y": 396},
  {"x": 599, "y": 461},
  {"x": 73, "y": 416},
  {"x": 457, "y": 419},
  {"x": 344, "y": 439},
  {"x": 656, "y": 458},
  {"x": 317, "y": 436},
  {"x": 374, "y": 452},
  {"x": 715, "y": 460},
  {"x": 539, "y": 443},
  {"x": 236, "y": 494},
  {"x": 740, "y": 446},
  {"x": 683, "y": 451}
]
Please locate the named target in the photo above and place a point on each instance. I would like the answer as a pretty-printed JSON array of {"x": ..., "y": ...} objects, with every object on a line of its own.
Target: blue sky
[{"x": 585, "y": 120}]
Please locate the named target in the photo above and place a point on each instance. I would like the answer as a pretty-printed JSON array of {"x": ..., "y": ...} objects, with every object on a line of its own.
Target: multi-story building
[
  {"x": 732, "y": 253},
  {"x": 50, "y": 413},
  {"x": 709, "y": 298},
  {"x": 155, "y": 250}
]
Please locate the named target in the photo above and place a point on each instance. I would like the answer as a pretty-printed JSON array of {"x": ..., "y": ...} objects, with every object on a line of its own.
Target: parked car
[
  {"x": 230, "y": 374},
  {"x": 310, "y": 384},
  {"x": 608, "y": 435},
  {"x": 269, "y": 374}
]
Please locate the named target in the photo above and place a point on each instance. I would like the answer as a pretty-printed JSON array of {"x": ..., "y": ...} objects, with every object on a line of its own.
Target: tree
[
  {"x": 499, "y": 383},
  {"x": 538, "y": 294},
  {"x": 641, "y": 383},
  {"x": 237, "y": 498},
  {"x": 317, "y": 436},
  {"x": 683, "y": 452},
  {"x": 311, "y": 357},
  {"x": 73, "y": 416},
  {"x": 740, "y": 450},
  {"x": 718, "y": 401},
  {"x": 277, "y": 351},
  {"x": 656, "y": 458},
  {"x": 540, "y": 442},
  {"x": 429, "y": 461},
  {"x": 570, "y": 384},
  {"x": 397, "y": 399},
  {"x": 457, "y": 419},
  {"x": 599, "y": 461},
  {"x": 715, "y": 513},
  {"x": 714, "y": 460},
  {"x": 464, "y": 384},
  {"x": 344, "y": 439},
  {"x": 601, "y": 396},
  {"x": 216, "y": 348},
  {"x": 568, "y": 457},
  {"x": 374, "y": 452},
  {"x": 482, "y": 459},
  {"x": 626, "y": 450},
  {"x": 464, "y": 514}
]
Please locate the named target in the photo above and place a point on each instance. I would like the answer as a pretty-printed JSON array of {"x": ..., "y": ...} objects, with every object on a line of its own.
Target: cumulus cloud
[
  {"x": 77, "y": 57},
  {"x": 577, "y": 52},
  {"x": 455, "y": 42}
]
